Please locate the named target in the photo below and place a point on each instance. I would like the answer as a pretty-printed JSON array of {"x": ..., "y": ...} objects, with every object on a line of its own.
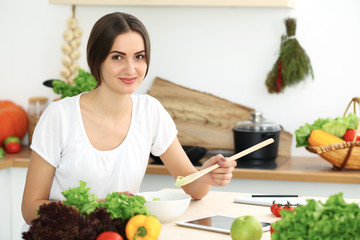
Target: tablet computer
[{"x": 217, "y": 223}]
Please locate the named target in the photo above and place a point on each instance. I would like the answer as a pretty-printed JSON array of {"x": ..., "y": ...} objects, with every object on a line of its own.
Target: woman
[{"x": 104, "y": 137}]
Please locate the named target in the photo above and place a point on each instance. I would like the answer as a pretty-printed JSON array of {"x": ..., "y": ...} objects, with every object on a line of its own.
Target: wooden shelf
[
  {"x": 302, "y": 169},
  {"x": 192, "y": 3}
]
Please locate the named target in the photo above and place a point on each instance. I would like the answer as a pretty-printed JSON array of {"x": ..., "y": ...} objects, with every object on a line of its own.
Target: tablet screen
[{"x": 218, "y": 223}]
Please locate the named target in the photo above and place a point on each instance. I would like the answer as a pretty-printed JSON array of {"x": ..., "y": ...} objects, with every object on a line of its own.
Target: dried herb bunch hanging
[{"x": 293, "y": 64}]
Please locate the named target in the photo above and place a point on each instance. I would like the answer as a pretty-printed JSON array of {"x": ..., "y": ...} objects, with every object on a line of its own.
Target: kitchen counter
[
  {"x": 220, "y": 203},
  {"x": 304, "y": 169}
]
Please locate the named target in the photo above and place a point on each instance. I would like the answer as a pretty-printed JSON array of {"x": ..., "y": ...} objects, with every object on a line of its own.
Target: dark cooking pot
[{"x": 251, "y": 132}]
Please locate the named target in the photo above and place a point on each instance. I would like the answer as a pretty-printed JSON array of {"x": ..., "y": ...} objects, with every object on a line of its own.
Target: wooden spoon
[{"x": 181, "y": 181}]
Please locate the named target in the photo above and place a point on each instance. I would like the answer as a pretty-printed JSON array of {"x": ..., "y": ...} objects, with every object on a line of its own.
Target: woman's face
[{"x": 124, "y": 68}]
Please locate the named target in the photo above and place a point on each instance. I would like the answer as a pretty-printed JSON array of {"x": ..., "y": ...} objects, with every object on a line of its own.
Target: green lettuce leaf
[
  {"x": 81, "y": 198},
  {"x": 335, "y": 219},
  {"x": 124, "y": 206}
]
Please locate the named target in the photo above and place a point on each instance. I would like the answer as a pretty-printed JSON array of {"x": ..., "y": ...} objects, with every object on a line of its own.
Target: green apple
[
  {"x": 12, "y": 139},
  {"x": 246, "y": 228}
]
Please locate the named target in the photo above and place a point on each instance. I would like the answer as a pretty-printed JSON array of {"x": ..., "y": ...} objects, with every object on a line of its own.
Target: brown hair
[{"x": 103, "y": 34}]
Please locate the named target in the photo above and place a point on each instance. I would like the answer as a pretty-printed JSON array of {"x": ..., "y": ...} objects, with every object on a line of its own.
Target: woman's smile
[{"x": 128, "y": 80}]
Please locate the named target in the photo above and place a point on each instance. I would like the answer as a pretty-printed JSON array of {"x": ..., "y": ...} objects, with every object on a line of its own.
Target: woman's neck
[{"x": 109, "y": 104}]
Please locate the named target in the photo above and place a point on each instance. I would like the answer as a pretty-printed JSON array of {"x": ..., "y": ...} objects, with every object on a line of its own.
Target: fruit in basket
[
  {"x": 320, "y": 137},
  {"x": 246, "y": 228},
  {"x": 13, "y": 120},
  {"x": 350, "y": 134}
]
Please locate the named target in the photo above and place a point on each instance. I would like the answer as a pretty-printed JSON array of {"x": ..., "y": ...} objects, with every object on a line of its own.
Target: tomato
[
  {"x": 289, "y": 208},
  {"x": 109, "y": 235},
  {"x": 350, "y": 134},
  {"x": 277, "y": 211},
  {"x": 13, "y": 147},
  {"x": 272, "y": 207},
  {"x": 271, "y": 229}
]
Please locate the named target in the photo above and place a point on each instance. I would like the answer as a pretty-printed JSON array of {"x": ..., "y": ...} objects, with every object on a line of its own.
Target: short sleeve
[
  {"x": 46, "y": 140},
  {"x": 164, "y": 129}
]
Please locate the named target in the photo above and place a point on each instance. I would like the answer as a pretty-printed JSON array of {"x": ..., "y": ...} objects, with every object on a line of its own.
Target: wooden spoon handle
[{"x": 192, "y": 177}]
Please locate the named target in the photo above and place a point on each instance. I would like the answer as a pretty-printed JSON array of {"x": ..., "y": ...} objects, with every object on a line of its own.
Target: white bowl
[{"x": 166, "y": 206}]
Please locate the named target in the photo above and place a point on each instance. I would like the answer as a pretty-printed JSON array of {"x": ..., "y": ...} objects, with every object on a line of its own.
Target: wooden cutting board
[{"x": 205, "y": 120}]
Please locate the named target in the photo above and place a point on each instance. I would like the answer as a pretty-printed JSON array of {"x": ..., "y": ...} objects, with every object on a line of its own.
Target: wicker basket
[{"x": 344, "y": 155}]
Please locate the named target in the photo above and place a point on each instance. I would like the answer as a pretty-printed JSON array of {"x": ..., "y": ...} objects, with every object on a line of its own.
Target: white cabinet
[
  {"x": 12, "y": 182},
  {"x": 5, "y": 204}
]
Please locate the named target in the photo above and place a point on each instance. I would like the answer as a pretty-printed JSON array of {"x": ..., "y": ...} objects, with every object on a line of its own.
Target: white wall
[{"x": 223, "y": 51}]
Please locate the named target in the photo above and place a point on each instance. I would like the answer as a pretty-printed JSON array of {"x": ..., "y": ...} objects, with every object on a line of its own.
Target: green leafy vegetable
[
  {"x": 84, "y": 82},
  {"x": 124, "y": 206},
  {"x": 337, "y": 127},
  {"x": 2, "y": 152},
  {"x": 333, "y": 220},
  {"x": 57, "y": 221},
  {"x": 81, "y": 198}
]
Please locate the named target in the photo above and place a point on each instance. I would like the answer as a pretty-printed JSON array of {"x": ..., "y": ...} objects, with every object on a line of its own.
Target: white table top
[
  {"x": 214, "y": 203},
  {"x": 217, "y": 203}
]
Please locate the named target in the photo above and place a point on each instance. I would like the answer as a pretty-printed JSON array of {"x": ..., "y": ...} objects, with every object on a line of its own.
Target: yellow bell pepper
[{"x": 141, "y": 227}]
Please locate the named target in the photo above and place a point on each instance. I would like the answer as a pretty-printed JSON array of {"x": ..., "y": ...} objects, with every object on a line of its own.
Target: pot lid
[{"x": 257, "y": 124}]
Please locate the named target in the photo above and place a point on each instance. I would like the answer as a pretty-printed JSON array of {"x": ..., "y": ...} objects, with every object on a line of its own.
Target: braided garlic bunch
[{"x": 72, "y": 37}]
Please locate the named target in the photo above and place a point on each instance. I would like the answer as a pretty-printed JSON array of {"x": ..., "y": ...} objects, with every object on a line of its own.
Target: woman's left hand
[{"x": 222, "y": 175}]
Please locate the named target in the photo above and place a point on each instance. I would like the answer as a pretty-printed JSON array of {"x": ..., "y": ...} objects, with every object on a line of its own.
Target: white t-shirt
[{"x": 61, "y": 140}]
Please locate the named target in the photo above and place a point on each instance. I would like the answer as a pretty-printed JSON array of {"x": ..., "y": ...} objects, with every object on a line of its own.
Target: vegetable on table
[
  {"x": 143, "y": 227},
  {"x": 277, "y": 208},
  {"x": 81, "y": 216},
  {"x": 58, "y": 221},
  {"x": 119, "y": 205},
  {"x": 124, "y": 206},
  {"x": 273, "y": 206},
  {"x": 109, "y": 235},
  {"x": 81, "y": 198},
  {"x": 334, "y": 219},
  {"x": 271, "y": 229}
]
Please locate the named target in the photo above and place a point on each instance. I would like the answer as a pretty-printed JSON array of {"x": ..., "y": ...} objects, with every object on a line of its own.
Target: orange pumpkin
[{"x": 13, "y": 121}]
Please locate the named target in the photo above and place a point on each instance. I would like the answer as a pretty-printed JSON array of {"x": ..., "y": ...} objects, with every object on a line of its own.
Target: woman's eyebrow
[
  {"x": 118, "y": 52},
  {"x": 122, "y": 53}
]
